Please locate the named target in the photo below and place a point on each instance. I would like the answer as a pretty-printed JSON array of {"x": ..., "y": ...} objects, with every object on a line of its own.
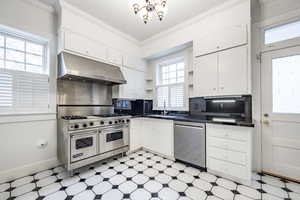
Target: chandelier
[{"x": 147, "y": 8}]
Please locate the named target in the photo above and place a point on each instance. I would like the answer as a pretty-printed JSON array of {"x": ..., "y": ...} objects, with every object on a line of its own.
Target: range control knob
[
  {"x": 102, "y": 122},
  {"x": 123, "y": 121},
  {"x": 110, "y": 122},
  {"x": 84, "y": 125},
  {"x": 120, "y": 120},
  {"x": 116, "y": 122},
  {"x": 91, "y": 123},
  {"x": 127, "y": 120},
  {"x": 76, "y": 126}
]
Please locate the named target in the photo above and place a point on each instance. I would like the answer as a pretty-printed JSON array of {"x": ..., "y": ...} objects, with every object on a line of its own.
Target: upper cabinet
[
  {"x": 82, "y": 45},
  {"x": 135, "y": 86},
  {"x": 87, "y": 47},
  {"x": 222, "y": 73},
  {"x": 233, "y": 71},
  {"x": 221, "y": 39},
  {"x": 206, "y": 76},
  {"x": 134, "y": 62}
]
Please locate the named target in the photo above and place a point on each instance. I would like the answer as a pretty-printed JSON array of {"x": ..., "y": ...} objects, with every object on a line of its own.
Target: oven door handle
[
  {"x": 108, "y": 131},
  {"x": 84, "y": 134}
]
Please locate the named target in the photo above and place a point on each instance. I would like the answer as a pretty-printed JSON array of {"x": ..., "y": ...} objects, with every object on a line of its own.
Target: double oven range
[{"x": 83, "y": 140}]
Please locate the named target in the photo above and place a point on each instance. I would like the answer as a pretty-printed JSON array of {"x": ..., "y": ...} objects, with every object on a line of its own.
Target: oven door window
[
  {"x": 84, "y": 143},
  {"x": 110, "y": 137}
]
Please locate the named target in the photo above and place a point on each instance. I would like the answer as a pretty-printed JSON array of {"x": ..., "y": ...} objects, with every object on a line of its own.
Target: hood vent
[{"x": 79, "y": 68}]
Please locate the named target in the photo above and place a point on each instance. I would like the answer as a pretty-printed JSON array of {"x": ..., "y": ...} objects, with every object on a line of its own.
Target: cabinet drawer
[
  {"x": 230, "y": 169},
  {"x": 227, "y": 144},
  {"x": 227, "y": 132},
  {"x": 227, "y": 155}
]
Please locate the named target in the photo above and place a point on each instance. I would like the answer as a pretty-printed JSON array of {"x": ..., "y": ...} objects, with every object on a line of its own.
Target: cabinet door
[
  {"x": 233, "y": 71},
  {"x": 206, "y": 76},
  {"x": 221, "y": 39},
  {"x": 114, "y": 57},
  {"x": 232, "y": 37},
  {"x": 84, "y": 46},
  {"x": 76, "y": 43},
  {"x": 135, "y": 134},
  {"x": 206, "y": 44},
  {"x": 158, "y": 136}
]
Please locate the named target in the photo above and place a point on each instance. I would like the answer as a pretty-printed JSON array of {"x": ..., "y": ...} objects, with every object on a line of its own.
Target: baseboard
[{"x": 9, "y": 175}]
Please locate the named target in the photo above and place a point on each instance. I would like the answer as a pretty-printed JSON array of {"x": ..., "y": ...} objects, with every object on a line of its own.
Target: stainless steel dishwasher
[{"x": 189, "y": 142}]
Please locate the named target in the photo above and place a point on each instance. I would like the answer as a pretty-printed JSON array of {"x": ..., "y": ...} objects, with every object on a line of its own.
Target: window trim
[
  {"x": 15, "y": 33},
  {"x": 169, "y": 61},
  {"x": 281, "y": 44},
  {"x": 43, "y": 43}
]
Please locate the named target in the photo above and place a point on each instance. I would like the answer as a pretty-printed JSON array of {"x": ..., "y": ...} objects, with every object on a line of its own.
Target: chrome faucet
[{"x": 165, "y": 111}]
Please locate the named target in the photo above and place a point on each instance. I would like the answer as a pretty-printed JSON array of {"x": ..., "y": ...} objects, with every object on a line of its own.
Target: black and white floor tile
[{"x": 140, "y": 176}]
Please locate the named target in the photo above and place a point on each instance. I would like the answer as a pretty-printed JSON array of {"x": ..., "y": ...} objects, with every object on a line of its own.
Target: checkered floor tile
[{"x": 140, "y": 176}]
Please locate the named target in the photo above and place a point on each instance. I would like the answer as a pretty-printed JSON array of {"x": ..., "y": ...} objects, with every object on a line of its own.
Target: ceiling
[{"x": 118, "y": 14}]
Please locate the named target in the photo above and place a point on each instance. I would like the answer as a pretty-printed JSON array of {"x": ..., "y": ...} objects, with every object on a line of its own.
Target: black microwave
[{"x": 238, "y": 108}]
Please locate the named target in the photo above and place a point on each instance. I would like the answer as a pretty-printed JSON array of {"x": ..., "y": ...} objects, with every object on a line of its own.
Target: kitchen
[{"x": 193, "y": 105}]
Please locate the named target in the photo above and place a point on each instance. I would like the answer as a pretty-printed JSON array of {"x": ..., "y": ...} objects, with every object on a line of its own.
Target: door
[
  {"x": 233, "y": 71},
  {"x": 206, "y": 75},
  {"x": 281, "y": 112}
]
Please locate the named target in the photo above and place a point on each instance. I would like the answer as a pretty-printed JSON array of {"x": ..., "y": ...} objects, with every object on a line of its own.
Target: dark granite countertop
[{"x": 197, "y": 119}]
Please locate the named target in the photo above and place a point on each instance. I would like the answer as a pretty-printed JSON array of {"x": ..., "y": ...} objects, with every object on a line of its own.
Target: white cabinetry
[
  {"x": 221, "y": 39},
  {"x": 222, "y": 73},
  {"x": 136, "y": 134},
  {"x": 233, "y": 71},
  {"x": 135, "y": 86},
  {"x": 82, "y": 45},
  {"x": 206, "y": 76},
  {"x": 229, "y": 151},
  {"x": 79, "y": 44},
  {"x": 154, "y": 134}
]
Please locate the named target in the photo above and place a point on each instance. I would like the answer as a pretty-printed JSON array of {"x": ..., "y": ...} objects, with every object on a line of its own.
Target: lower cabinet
[
  {"x": 154, "y": 134},
  {"x": 229, "y": 151}
]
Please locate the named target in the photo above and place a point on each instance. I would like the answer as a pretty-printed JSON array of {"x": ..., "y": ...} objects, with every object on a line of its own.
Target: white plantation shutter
[
  {"x": 177, "y": 96},
  {"x": 23, "y": 92},
  {"x": 170, "y": 88},
  {"x": 24, "y": 79}
]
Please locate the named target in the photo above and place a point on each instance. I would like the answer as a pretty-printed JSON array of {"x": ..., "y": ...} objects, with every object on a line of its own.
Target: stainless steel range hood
[{"x": 79, "y": 68}]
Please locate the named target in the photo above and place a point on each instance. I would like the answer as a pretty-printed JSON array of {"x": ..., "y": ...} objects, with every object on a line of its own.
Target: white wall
[
  {"x": 19, "y": 135},
  {"x": 232, "y": 13}
]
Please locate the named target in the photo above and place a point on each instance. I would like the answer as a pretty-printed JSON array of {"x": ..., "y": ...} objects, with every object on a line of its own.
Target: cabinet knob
[
  {"x": 214, "y": 89},
  {"x": 222, "y": 88}
]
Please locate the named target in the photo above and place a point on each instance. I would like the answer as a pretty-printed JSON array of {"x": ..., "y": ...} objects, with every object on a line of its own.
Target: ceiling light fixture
[{"x": 146, "y": 8}]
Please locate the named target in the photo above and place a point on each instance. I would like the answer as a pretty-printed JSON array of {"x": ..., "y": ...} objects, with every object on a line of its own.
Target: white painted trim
[
  {"x": 98, "y": 22},
  {"x": 40, "y": 5},
  {"x": 25, "y": 170},
  {"x": 194, "y": 20}
]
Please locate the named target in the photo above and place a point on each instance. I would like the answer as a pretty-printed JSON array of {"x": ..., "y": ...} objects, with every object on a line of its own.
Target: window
[
  {"x": 170, "y": 85},
  {"x": 24, "y": 85},
  {"x": 281, "y": 33},
  {"x": 286, "y": 84}
]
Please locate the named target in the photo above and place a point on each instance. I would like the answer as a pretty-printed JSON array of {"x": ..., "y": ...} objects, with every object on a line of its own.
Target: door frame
[
  {"x": 257, "y": 42},
  {"x": 260, "y": 49}
]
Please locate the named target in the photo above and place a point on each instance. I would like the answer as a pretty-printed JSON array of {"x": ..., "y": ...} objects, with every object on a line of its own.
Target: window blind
[
  {"x": 170, "y": 88},
  {"x": 24, "y": 79}
]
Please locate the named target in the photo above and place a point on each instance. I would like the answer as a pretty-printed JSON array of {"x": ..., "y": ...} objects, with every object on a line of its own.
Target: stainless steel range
[{"x": 86, "y": 139}]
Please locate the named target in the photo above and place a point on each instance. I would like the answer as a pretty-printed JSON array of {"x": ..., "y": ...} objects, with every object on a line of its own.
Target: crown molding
[
  {"x": 65, "y": 5},
  {"x": 194, "y": 20},
  {"x": 41, "y": 5}
]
